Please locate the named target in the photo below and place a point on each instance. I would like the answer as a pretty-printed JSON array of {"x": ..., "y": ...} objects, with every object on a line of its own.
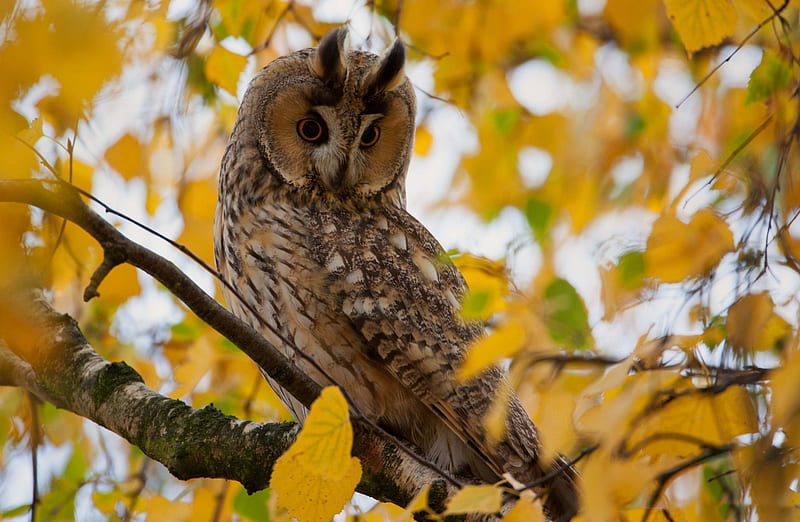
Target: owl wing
[{"x": 401, "y": 294}]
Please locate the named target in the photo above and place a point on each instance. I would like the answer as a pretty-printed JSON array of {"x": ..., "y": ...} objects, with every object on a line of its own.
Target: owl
[{"x": 311, "y": 229}]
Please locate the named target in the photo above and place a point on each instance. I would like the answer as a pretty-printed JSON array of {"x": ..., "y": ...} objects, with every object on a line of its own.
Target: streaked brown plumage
[{"x": 311, "y": 228}]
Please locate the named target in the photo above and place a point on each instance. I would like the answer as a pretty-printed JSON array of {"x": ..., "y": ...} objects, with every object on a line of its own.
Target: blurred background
[{"x": 617, "y": 180}]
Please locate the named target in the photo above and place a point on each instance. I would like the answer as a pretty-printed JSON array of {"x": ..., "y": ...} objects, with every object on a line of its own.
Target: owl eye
[
  {"x": 370, "y": 136},
  {"x": 311, "y": 130}
]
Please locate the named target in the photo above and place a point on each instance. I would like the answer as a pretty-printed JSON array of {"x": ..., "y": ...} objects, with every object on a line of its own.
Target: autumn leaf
[
  {"x": 752, "y": 323},
  {"x": 503, "y": 342},
  {"x": 224, "y": 67},
  {"x": 386, "y": 512},
  {"x": 488, "y": 285},
  {"x": 420, "y": 500},
  {"x": 615, "y": 482},
  {"x": 126, "y": 156},
  {"x": 772, "y": 75},
  {"x": 525, "y": 510},
  {"x": 701, "y": 23},
  {"x": 318, "y": 465},
  {"x": 475, "y": 499},
  {"x": 677, "y": 250},
  {"x": 72, "y": 43},
  {"x": 692, "y": 422}
]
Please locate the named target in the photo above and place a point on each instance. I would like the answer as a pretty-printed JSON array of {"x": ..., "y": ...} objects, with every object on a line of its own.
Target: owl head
[{"x": 334, "y": 122}]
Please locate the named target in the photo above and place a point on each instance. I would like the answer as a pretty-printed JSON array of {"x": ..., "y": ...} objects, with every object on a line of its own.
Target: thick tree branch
[{"x": 55, "y": 362}]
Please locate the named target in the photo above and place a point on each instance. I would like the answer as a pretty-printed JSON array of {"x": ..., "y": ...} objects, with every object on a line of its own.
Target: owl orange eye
[
  {"x": 370, "y": 136},
  {"x": 311, "y": 130}
]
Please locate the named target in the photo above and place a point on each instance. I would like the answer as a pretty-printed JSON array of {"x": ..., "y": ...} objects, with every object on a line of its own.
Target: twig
[
  {"x": 135, "y": 495},
  {"x": 113, "y": 256},
  {"x": 278, "y": 20},
  {"x": 665, "y": 476},
  {"x": 35, "y": 441},
  {"x": 561, "y": 468},
  {"x": 689, "y": 439},
  {"x": 731, "y": 157},
  {"x": 776, "y": 12}
]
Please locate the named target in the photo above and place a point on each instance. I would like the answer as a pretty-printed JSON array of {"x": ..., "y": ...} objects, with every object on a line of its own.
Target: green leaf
[
  {"x": 15, "y": 512},
  {"x": 634, "y": 125},
  {"x": 771, "y": 75},
  {"x": 540, "y": 215},
  {"x": 567, "y": 320},
  {"x": 631, "y": 269},
  {"x": 184, "y": 331},
  {"x": 76, "y": 466},
  {"x": 504, "y": 121},
  {"x": 59, "y": 502},
  {"x": 475, "y": 303},
  {"x": 253, "y": 507}
]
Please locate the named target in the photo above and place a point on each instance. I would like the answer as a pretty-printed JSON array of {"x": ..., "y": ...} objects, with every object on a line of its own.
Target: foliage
[{"x": 647, "y": 295}]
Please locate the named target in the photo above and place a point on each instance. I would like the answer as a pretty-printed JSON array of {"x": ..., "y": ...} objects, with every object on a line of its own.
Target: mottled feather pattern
[{"x": 314, "y": 235}]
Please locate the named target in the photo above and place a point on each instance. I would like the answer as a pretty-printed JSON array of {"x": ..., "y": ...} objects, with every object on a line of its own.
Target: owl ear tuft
[
  {"x": 328, "y": 60},
  {"x": 387, "y": 73}
]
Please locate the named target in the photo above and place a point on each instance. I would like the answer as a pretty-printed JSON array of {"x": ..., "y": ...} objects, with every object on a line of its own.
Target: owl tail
[{"x": 561, "y": 503}]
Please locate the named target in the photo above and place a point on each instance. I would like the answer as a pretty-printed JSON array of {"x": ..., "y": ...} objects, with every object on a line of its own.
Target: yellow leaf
[
  {"x": 475, "y": 499},
  {"x": 126, "y": 157},
  {"x": 423, "y": 141},
  {"x": 610, "y": 483},
  {"x": 624, "y": 396},
  {"x": 488, "y": 285},
  {"x": 32, "y": 134},
  {"x": 688, "y": 422},
  {"x": 190, "y": 370},
  {"x": 120, "y": 284},
  {"x": 19, "y": 161},
  {"x": 676, "y": 250},
  {"x": 82, "y": 174},
  {"x": 224, "y": 67},
  {"x": 525, "y": 510},
  {"x": 701, "y": 23},
  {"x": 386, "y": 512},
  {"x": 770, "y": 471},
  {"x": 635, "y": 21},
  {"x": 160, "y": 508},
  {"x": 785, "y": 399},
  {"x": 318, "y": 465},
  {"x": 551, "y": 410},
  {"x": 198, "y": 200},
  {"x": 72, "y": 43},
  {"x": 420, "y": 501},
  {"x": 753, "y": 324},
  {"x": 503, "y": 342},
  {"x": 757, "y": 10}
]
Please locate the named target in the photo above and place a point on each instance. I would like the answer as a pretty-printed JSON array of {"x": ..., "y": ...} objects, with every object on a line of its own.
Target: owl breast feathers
[{"x": 311, "y": 228}]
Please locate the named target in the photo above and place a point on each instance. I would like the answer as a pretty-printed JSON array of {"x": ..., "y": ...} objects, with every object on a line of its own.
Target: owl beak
[
  {"x": 339, "y": 180},
  {"x": 335, "y": 182}
]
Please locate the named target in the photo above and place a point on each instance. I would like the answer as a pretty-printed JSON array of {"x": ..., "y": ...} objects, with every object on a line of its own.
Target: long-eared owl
[{"x": 312, "y": 231}]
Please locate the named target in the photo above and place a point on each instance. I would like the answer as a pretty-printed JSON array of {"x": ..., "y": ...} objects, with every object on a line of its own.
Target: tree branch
[
  {"x": 191, "y": 443},
  {"x": 63, "y": 200},
  {"x": 56, "y": 363}
]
